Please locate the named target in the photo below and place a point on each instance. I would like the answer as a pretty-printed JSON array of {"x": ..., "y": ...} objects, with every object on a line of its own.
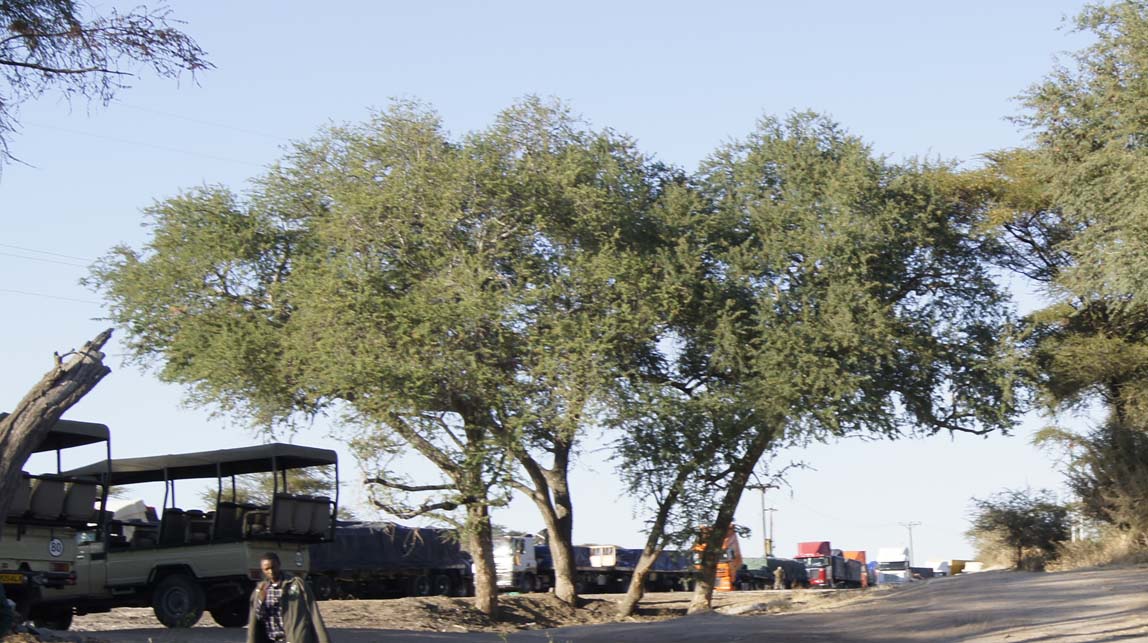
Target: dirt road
[{"x": 1071, "y": 607}]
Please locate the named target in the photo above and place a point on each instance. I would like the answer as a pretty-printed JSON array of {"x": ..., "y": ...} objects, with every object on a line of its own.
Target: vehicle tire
[
  {"x": 441, "y": 585},
  {"x": 233, "y": 614},
  {"x": 52, "y": 617},
  {"x": 323, "y": 587},
  {"x": 421, "y": 586},
  {"x": 529, "y": 582},
  {"x": 178, "y": 601}
]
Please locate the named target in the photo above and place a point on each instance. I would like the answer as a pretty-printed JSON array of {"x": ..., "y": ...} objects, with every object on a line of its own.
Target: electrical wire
[
  {"x": 45, "y": 252},
  {"x": 47, "y": 296},
  {"x": 203, "y": 122},
  {"x": 125, "y": 141},
  {"x": 44, "y": 259}
]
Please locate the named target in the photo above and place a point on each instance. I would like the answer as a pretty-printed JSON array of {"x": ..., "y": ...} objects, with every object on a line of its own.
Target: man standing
[
  {"x": 779, "y": 577},
  {"x": 282, "y": 608}
]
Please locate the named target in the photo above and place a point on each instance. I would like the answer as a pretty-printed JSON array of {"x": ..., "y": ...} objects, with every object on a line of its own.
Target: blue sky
[{"x": 912, "y": 78}]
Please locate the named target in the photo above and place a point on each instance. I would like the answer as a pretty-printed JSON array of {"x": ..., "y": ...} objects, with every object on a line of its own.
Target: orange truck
[{"x": 729, "y": 562}]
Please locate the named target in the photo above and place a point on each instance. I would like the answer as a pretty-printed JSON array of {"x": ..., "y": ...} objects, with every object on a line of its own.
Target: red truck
[{"x": 828, "y": 567}]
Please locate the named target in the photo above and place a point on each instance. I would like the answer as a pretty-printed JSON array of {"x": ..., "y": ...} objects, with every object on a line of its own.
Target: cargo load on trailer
[{"x": 384, "y": 559}]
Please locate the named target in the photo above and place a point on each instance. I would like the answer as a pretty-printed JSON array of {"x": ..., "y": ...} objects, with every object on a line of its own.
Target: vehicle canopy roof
[
  {"x": 275, "y": 456},
  {"x": 65, "y": 434}
]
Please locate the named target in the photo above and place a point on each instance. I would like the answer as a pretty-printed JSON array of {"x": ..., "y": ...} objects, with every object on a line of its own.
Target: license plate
[{"x": 12, "y": 579}]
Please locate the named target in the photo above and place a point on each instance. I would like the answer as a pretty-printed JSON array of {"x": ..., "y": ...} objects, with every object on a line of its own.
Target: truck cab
[
  {"x": 181, "y": 561},
  {"x": 515, "y": 564},
  {"x": 893, "y": 565}
]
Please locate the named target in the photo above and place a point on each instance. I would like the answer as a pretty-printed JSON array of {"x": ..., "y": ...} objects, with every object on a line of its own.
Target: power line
[
  {"x": 46, "y": 296},
  {"x": 207, "y": 123},
  {"x": 45, "y": 252},
  {"x": 44, "y": 259},
  {"x": 125, "y": 141}
]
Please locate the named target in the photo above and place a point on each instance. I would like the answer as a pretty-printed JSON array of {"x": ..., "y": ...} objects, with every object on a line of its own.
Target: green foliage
[
  {"x": 465, "y": 299},
  {"x": 1030, "y": 524},
  {"x": 1088, "y": 122},
  {"x": 818, "y": 291},
  {"x": 1071, "y": 213}
]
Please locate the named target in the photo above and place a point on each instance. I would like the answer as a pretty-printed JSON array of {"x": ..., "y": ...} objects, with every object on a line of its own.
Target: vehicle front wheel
[
  {"x": 441, "y": 585},
  {"x": 421, "y": 585},
  {"x": 233, "y": 614},
  {"x": 178, "y": 601},
  {"x": 52, "y": 617}
]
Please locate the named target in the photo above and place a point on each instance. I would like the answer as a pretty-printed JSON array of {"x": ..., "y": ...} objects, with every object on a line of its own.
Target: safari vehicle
[
  {"x": 38, "y": 549},
  {"x": 190, "y": 560}
]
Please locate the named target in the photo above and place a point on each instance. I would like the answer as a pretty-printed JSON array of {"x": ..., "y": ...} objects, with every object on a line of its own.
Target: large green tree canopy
[
  {"x": 468, "y": 299},
  {"x": 827, "y": 292}
]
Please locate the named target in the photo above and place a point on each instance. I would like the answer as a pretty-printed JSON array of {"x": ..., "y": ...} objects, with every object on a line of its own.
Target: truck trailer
[{"x": 388, "y": 560}]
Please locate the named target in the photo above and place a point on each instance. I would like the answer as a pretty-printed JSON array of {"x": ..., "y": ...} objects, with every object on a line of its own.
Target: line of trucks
[{"x": 63, "y": 553}]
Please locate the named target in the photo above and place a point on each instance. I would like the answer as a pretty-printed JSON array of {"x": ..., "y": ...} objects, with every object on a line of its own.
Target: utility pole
[
  {"x": 766, "y": 534},
  {"x": 909, "y": 526},
  {"x": 769, "y": 541}
]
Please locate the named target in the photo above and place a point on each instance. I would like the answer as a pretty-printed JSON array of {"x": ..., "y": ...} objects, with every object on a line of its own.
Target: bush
[
  {"x": 1112, "y": 546},
  {"x": 1020, "y": 529}
]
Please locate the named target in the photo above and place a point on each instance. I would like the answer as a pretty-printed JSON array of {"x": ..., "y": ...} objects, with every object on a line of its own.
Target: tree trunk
[
  {"x": 723, "y": 522},
  {"x": 654, "y": 545},
  {"x": 551, "y": 494},
  {"x": 637, "y": 588},
  {"x": 74, "y": 375},
  {"x": 482, "y": 551}
]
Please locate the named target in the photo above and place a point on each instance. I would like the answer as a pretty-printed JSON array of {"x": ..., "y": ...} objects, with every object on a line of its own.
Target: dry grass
[{"x": 1112, "y": 547}]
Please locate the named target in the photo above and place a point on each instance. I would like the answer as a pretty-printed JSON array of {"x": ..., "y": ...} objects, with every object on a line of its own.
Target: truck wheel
[
  {"x": 421, "y": 585},
  {"x": 441, "y": 585},
  {"x": 52, "y": 617},
  {"x": 529, "y": 582},
  {"x": 178, "y": 601},
  {"x": 323, "y": 587},
  {"x": 233, "y": 614}
]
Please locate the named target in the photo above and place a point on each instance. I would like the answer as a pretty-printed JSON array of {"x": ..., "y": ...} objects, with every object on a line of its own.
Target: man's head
[{"x": 271, "y": 566}]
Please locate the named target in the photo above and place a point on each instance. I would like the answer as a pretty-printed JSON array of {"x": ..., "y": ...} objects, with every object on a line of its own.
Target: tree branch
[
  {"x": 410, "y": 488},
  {"x": 58, "y": 70}
]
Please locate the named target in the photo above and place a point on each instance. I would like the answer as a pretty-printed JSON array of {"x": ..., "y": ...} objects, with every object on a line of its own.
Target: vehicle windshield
[
  {"x": 820, "y": 561},
  {"x": 893, "y": 566}
]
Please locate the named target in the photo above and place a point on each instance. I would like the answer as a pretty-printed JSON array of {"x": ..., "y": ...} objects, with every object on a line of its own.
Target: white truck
[
  {"x": 893, "y": 566},
  {"x": 515, "y": 564}
]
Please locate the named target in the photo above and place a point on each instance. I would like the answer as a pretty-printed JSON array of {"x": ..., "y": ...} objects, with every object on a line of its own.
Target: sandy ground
[{"x": 1094, "y": 606}]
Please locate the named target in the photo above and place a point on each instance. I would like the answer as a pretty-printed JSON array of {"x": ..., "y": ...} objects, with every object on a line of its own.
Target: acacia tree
[
  {"x": 57, "y": 45},
  {"x": 1029, "y": 524},
  {"x": 464, "y": 300},
  {"x": 832, "y": 294},
  {"x": 1071, "y": 211}
]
